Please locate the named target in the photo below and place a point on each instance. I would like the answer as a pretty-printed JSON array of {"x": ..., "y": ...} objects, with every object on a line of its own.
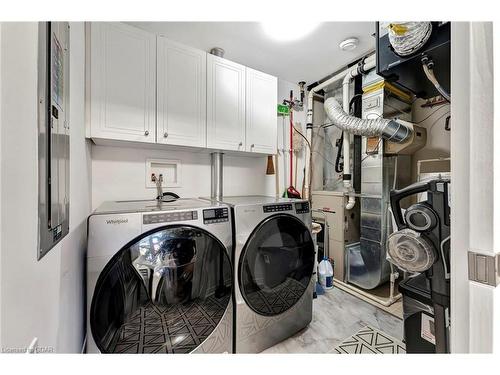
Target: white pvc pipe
[
  {"x": 345, "y": 76},
  {"x": 346, "y": 145}
]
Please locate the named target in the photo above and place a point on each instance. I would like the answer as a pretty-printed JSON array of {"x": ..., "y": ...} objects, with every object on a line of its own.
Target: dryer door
[
  {"x": 164, "y": 292},
  {"x": 276, "y": 265}
]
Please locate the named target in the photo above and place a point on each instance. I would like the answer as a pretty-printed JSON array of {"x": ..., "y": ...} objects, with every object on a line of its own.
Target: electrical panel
[
  {"x": 53, "y": 134},
  {"x": 407, "y": 71}
]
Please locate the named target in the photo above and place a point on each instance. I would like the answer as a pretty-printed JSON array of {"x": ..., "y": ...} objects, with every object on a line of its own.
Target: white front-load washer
[
  {"x": 159, "y": 277},
  {"x": 273, "y": 267}
]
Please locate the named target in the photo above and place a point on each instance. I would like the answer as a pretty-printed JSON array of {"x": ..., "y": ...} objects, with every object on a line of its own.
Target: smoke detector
[{"x": 349, "y": 44}]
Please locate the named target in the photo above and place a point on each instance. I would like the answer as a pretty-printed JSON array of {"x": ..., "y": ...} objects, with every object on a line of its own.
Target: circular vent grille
[{"x": 410, "y": 251}]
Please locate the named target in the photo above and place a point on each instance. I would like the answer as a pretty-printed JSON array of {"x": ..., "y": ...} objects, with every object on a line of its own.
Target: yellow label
[{"x": 398, "y": 29}]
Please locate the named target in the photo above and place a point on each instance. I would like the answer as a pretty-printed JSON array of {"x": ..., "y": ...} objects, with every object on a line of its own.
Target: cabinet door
[
  {"x": 122, "y": 82},
  {"x": 225, "y": 104},
  {"x": 261, "y": 112},
  {"x": 182, "y": 75}
]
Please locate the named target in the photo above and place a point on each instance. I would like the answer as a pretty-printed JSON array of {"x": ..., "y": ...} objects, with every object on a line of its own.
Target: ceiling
[{"x": 308, "y": 59}]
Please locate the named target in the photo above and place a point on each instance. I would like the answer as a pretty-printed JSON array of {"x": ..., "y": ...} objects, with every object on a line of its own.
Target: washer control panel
[
  {"x": 215, "y": 215},
  {"x": 278, "y": 207},
  {"x": 302, "y": 207},
  {"x": 168, "y": 217}
]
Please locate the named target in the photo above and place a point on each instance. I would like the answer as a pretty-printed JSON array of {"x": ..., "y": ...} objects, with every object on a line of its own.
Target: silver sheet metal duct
[
  {"x": 216, "y": 176},
  {"x": 366, "y": 261},
  {"x": 387, "y": 129}
]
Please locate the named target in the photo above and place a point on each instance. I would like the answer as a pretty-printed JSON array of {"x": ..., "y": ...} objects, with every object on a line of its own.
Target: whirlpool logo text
[{"x": 117, "y": 221}]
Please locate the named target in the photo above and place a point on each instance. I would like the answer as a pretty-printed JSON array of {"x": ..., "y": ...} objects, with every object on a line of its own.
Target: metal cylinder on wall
[{"x": 216, "y": 159}]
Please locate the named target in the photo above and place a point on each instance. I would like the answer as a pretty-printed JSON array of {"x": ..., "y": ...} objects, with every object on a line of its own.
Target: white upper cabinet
[
  {"x": 123, "y": 82},
  {"x": 147, "y": 88},
  {"x": 261, "y": 112},
  {"x": 225, "y": 104},
  {"x": 181, "y": 95}
]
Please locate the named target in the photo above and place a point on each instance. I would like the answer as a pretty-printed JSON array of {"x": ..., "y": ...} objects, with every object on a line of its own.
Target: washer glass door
[
  {"x": 162, "y": 293},
  {"x": 276, "y": 265}
]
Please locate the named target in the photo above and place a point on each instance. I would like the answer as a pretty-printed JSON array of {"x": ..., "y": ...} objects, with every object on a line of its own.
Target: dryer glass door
[
  {"x": 164, "y": 293},
  {"x": 276, "y": 265}
]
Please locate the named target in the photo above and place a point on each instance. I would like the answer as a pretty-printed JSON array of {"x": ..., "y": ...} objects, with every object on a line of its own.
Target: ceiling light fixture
[
  {"x": 281, "y": 31},
  {"x": 349, "y": 44}
]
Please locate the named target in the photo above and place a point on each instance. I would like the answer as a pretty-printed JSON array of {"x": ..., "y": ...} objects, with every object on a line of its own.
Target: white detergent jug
[{"x": 325, "y": 274}]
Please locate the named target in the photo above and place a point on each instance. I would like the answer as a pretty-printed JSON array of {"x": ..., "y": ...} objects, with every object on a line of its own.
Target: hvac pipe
[
  {"x": 309, "y": 126},
  {"x": 346, "y": 144},
  {"x": 379, "y": 127},
  {"x": 216, "y": 159},
  {"x": 346, "y": 76}
]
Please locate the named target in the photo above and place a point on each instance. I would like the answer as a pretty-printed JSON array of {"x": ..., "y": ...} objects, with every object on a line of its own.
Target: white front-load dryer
[
  {"x": 159, "y": 277},
  {"x": 273, "y": 268}
]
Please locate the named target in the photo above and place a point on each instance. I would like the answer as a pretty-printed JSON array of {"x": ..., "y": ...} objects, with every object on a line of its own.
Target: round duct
[
  {"x": 379, "y": 127},
  {"x": 420, "y": 217},
  {"x": 408, "y": 37},
  {"x": 410, "y": 251}
]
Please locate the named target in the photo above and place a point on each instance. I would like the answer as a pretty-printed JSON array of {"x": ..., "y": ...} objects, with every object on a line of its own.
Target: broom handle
[{"x": 291, "y": 147}]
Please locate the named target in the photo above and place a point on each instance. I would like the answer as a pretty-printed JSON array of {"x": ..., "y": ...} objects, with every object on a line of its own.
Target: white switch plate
[{"x": 170, "y": 169}]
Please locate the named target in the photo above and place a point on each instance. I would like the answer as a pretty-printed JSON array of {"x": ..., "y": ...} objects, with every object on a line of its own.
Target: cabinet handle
[
  {"x": 252, "y": 145},
  {"x": 146, "y": 133},
  {"x": 240, "y": 144},
  {"x": 165, "y": 135}
]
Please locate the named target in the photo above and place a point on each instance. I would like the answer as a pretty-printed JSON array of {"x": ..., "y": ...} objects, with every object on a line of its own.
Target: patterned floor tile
[{"x": 370, "y": 341}]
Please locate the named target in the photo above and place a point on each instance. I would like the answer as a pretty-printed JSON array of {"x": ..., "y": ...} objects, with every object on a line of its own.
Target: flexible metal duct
[
  {"x": 387, "y": 129},
  {"x": 408, "y": 37}
]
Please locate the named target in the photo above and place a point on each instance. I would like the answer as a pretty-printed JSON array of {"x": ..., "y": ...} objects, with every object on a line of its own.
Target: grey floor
[{"x": 336, "y": 316}]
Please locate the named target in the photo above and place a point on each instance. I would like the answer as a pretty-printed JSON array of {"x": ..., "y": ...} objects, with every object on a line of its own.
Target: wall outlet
[{"x": 170, "y": 169}]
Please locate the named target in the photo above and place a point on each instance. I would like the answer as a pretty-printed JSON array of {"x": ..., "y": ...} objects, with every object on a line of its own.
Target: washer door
[
  {"x": 164, "y": 292},
  {"x": 276, "y": 265}
]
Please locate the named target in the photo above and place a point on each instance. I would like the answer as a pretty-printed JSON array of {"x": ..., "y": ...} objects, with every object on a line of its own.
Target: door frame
[{"x": 472, "y": 195}]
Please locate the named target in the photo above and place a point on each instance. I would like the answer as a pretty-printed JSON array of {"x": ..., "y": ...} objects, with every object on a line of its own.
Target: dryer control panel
[
  {"x": 302, "y": 207},
  {"x": 168, "y": 217},
  {"x": 215, "y": 215},
  {"x": 278, "y": 207}
]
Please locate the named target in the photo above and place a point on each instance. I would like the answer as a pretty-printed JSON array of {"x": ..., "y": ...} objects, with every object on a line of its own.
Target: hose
[
  {"x": 429, "y": 73},
  {"x": 338, "y": 168},
  {"x": 380, "y": 127}
]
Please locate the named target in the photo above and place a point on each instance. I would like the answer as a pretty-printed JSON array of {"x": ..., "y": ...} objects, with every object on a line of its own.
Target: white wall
[
  {"x": 0, "y": 181},
  {"x": 72, "y": 267},
  {"x": 438, "y": 139},
  {"x": 43, "y": 298},
  {"x": 119, "y": 173}
]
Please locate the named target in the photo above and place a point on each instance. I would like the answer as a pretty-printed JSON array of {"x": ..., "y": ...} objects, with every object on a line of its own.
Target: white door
[
  {"x": 122, "y": 82},
  {"x": 475, "y": 304},
  {"x": 261, "y": 112},
  {"x": 225, "y": 104},
  {"x": 181, "y": 98}
]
